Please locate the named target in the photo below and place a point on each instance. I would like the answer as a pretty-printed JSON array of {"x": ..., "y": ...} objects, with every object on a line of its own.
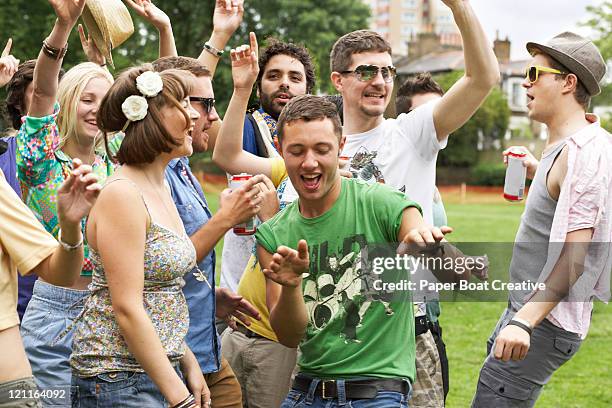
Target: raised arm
[
  {"x": 284, "y": 298},
  {"x": 90, "y": 49},
  {"x": 481, "y": 73},
  {"x": 160, "y": 20},
  {"x": 120, "y": 238},
  {"x": 226, "y": 19},
  {"x": 228, "y": 153},
  {"x": 47, "y": 67},
  {"x": 8, "y": 64}
]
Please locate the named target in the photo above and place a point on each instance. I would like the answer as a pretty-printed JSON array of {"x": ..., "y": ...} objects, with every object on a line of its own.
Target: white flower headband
[{"x": 135, "y": 107}]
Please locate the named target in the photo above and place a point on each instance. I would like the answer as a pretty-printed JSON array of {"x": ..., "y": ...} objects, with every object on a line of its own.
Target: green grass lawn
[{"x": 585, "y": 381}]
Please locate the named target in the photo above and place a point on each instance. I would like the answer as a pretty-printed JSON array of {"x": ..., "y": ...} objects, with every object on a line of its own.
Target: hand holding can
[{"x": 516, "y": 173}]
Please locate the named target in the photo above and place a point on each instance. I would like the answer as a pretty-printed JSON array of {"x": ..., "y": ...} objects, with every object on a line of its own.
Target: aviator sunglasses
[{"x": 367, "y": 73}]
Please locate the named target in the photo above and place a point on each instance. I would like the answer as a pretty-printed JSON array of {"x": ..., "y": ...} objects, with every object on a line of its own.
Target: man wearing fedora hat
[{"x": 564, "y": 237}]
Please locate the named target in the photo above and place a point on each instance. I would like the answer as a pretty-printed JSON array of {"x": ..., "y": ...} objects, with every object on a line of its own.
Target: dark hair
[
  {"x": 147, "y": 138},
  {"x": 185, "y": 63},
  {"x": 276, "y": 47},
  {"x": 336, "y": 100},
  {"x": 16, "y": 89},
  {"x": 581, "y": 95},
  {"x": 308, "y": 108},
  {"x": 421, "y": 84},
  {"x": 355, "y": 42}
]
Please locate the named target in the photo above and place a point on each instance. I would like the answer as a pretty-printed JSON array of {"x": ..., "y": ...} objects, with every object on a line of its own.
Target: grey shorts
[
  {"x": 21, "y": 393},
  {"x": 518, "y": 384}
]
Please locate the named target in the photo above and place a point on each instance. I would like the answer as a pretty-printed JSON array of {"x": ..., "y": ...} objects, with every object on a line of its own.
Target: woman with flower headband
[
  {"x": 61, "y": 126},
  {"x": 129, "y": 345}
]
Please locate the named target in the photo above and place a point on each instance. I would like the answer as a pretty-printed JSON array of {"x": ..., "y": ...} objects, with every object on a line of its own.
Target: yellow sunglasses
[{"x": 532, "y": 72}]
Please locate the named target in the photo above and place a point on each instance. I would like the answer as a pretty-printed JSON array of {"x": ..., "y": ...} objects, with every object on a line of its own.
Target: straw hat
[{"x": 109, "y": 23}]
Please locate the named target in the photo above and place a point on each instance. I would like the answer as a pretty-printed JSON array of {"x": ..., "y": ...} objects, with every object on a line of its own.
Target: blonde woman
[
  {"x": 129, "y": 345},
  {"x": 60, "y": 127}
]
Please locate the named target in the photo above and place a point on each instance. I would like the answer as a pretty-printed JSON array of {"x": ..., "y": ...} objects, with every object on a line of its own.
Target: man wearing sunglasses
[
  {"x": 564, "y": 237},
  {"x": 205, "y": 301},
  {"x": 402, "y": 152}
]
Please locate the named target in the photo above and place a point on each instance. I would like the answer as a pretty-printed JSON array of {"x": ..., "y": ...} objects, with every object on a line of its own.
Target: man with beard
[
  {"x": 285, "y": 70},
  {"x": 402, "y": 152},
  {"x": 262, "y": 365}
]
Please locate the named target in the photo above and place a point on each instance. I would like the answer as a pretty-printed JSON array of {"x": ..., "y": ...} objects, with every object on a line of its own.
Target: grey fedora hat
[{"x": 578, "y": 54}]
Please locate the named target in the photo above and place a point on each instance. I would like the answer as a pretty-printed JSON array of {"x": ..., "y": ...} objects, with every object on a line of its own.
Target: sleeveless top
[
  {"x": 98, "y": 344},
  {"x": 530, "y": 249}
]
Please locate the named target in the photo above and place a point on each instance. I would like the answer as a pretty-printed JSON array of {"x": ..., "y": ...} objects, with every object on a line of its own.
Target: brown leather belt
[{"x": 354, "y": 389}]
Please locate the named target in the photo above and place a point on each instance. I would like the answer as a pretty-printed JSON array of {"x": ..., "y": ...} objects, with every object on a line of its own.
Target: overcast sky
[{"x": 531, "y": 20}]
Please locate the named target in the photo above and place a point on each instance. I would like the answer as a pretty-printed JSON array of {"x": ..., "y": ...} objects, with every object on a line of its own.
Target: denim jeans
[
  {"x": 384, "y": 399},
  {"x": 50, "y": 311},
  {"x": 125, "y": 389}
]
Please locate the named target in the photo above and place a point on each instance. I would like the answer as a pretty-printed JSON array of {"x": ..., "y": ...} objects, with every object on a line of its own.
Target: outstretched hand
[
  {"x": 228, "y": 16},
  {"x": 230, "y": 306},
  {"x": 421, "y": 240},
  {"x": 68, "y": 11},
  {"x": 77, "y": 194},
  {"x": 288, "y": 265},
  {"x": 150, "y": 12},
  {"x": 89, "y": 47},
  {"x": 245, "y": 66},
  {"x": 8, "y": 64}
]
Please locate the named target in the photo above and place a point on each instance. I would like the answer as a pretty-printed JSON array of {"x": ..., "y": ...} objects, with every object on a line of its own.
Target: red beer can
[{"x": 249, "y": 227}]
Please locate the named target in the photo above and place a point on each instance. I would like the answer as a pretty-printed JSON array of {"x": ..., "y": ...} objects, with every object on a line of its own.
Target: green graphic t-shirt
[{"x": 353, "y": 330}]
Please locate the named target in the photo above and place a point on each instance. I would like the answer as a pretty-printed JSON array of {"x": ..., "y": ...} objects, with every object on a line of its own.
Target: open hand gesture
[
  {"x": 89, "y": 47},
  {"x": 68, "y": 11},
  {"x": 8, "y": 64},
  {"x": 228, "y": 16},
  {"x": 288, "y": 265},
  {"x": 150, "y": 12},
  {"x": 245, "y": 66},
  {"x": 77, "y": 194},
  {"x": 230, "y": 306},
  {"x": 422, "y": 240}
]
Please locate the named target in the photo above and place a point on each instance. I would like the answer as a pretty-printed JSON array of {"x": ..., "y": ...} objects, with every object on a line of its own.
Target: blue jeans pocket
[
  {"x": 114, "y": 381},
  {"x": 294, "y": 399}
]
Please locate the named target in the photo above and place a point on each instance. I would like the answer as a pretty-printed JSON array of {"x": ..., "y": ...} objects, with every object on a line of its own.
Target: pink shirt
[{"x": 583, "y": 203}]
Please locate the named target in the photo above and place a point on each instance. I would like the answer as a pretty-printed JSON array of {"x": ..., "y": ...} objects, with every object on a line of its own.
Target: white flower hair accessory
[
  {"x": 136, "y": 107},
  {"x": 149, "y": 84}
]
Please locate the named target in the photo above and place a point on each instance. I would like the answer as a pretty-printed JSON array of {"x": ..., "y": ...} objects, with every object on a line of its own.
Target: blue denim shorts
[
  {"x": 125, "y": 389},
  {"x": 384, "y": 399},
  {"x": 50, "y": 311}
]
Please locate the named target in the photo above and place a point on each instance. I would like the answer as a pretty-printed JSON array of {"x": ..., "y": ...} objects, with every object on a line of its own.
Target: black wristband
[{"x": 521, "y": 325}]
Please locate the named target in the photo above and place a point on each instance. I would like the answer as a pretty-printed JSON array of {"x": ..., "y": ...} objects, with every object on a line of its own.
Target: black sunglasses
[
  {"x": 367, "y": 73},
  {"x": 208, "y": 103}
]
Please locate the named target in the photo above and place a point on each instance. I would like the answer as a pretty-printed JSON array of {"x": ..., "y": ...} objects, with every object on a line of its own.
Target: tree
[
  {"x": 600, "y": 22},
  {"x": 490, "y": 120}
]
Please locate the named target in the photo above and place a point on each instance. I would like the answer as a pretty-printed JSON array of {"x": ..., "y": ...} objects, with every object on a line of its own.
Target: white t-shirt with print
[{"x": 401, "y": 153}]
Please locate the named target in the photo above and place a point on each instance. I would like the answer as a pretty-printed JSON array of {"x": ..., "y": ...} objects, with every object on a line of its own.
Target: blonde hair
[{"x": 69, "y": 93}]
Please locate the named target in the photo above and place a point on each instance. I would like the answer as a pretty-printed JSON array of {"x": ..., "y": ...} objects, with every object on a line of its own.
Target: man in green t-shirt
[{"x": 357, "y": 341}]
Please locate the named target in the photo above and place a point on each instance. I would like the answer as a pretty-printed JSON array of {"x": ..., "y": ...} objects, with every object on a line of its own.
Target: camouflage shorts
[{"x": 428, "y": 390}]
